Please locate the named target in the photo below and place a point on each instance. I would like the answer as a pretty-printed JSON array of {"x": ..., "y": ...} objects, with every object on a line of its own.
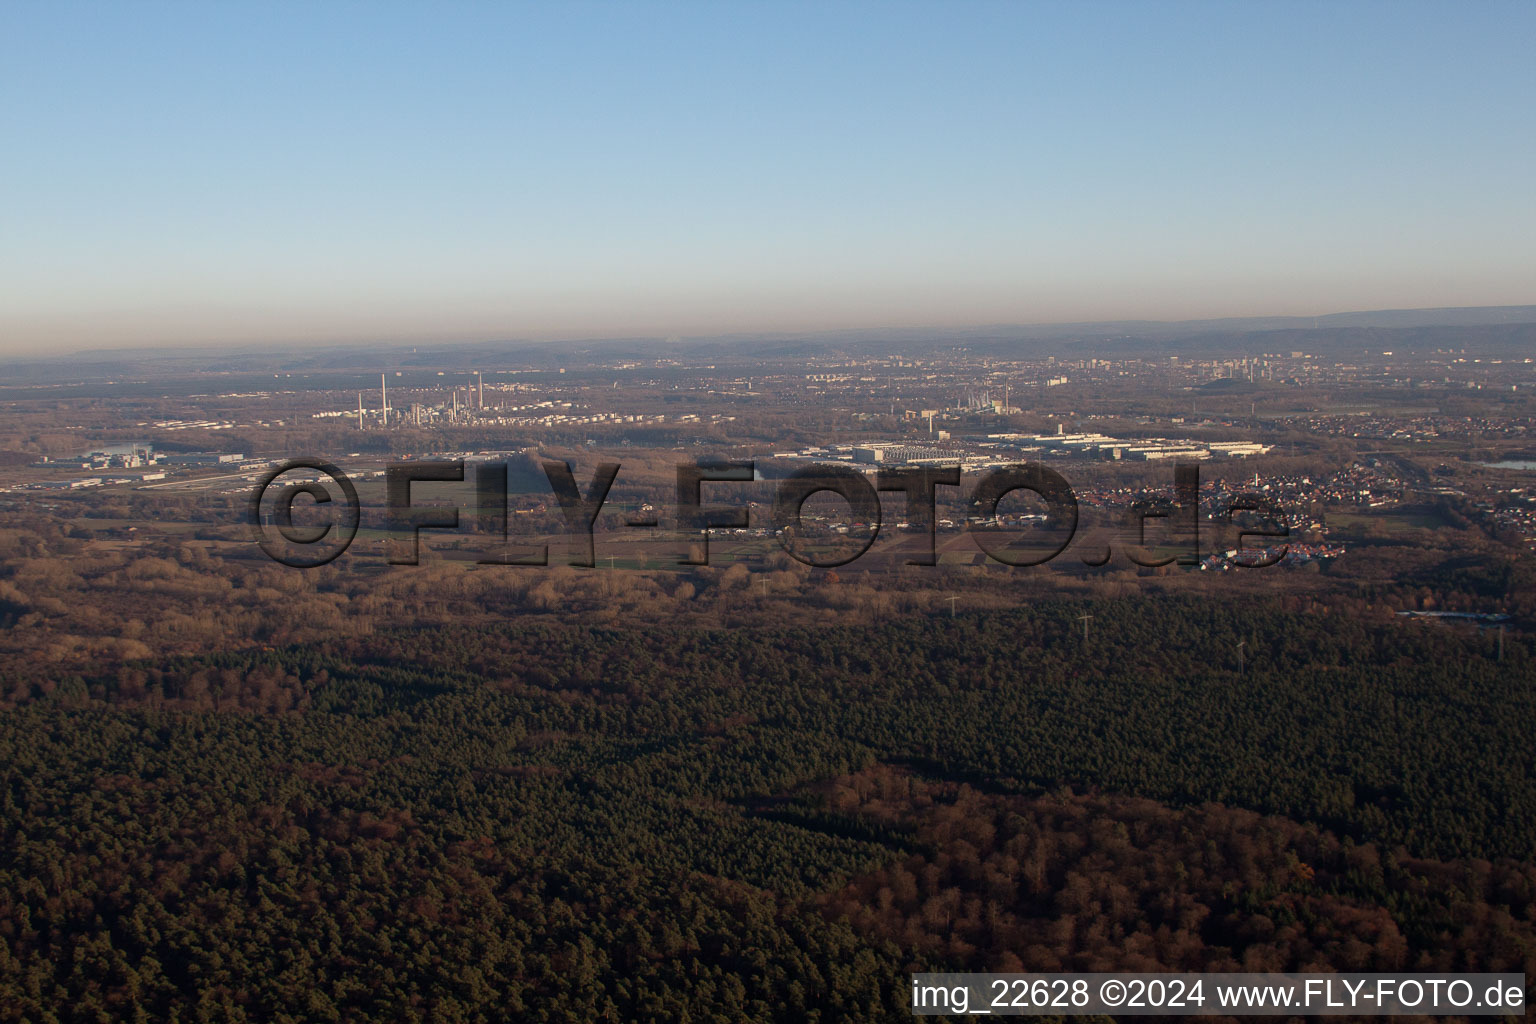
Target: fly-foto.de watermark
[{"x": 313, "y": 544}]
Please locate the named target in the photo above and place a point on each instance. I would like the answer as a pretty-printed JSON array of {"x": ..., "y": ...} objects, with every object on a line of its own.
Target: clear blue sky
[{"x": 214, "y": 172}]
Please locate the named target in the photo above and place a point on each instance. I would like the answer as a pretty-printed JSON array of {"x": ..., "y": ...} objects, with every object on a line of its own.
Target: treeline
[{"x": 109, "y": 592}]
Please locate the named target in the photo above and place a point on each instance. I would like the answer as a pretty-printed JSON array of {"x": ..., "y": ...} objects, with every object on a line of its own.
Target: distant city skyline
[{"x": 208, "y": 175}]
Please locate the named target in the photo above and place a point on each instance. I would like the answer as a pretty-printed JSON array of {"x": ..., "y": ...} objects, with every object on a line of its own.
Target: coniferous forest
[{"x": 553, "y": 822}]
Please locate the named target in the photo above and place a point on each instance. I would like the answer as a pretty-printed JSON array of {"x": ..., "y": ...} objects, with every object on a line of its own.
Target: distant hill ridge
[{"x": 1483, "y": 329}]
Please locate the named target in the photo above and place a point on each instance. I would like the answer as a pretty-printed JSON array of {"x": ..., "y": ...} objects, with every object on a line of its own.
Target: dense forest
[{"x": 770, "y": 823}]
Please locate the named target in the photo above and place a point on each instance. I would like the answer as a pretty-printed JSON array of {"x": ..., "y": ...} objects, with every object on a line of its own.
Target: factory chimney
[{"x": 384, "y": 399}]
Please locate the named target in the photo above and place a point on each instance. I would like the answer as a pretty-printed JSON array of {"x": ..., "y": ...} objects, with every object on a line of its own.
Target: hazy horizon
[{"x": 394, "y": 174}]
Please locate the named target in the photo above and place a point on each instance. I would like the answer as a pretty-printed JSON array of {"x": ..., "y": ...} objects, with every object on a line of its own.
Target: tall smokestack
[
  {"x": 479, "y": 390},
  {"x": 359, "y": 410},
  {"x": 384, "y": 398}
]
